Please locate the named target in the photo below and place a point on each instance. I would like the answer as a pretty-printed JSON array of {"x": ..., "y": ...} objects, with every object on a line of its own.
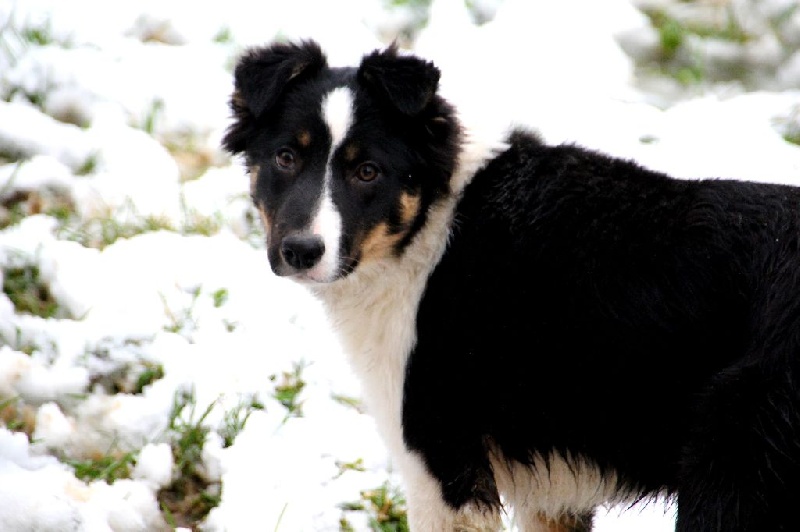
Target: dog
[{"x": 538, "y": 327}]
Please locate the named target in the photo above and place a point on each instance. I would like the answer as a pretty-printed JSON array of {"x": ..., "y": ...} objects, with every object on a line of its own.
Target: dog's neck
[
  {"x": 373, "y": 310},
  {"x": 366, "y": 307}
]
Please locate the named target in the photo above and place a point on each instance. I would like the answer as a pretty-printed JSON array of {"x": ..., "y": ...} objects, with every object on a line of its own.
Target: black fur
[
  {"x": 405, "y": 82},
  {"x": 585, "y": 307},
  {"x": 261, "y": 78},
  {"x": 400, "y": 123},
  {"x": 590, "y": 306}
]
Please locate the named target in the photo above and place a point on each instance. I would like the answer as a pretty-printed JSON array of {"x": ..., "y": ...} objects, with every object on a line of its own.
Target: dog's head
[{"x": 344, "y": 162}]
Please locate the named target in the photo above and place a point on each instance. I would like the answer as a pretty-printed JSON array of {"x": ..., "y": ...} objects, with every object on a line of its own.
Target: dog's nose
[{"x": 302, "y": 252}]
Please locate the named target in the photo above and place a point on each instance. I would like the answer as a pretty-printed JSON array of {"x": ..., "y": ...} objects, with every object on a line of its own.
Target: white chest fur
[{"x": 374, "y": 312}]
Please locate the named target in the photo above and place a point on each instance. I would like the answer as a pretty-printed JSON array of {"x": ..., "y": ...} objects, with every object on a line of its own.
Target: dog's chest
[
  {"x": 374, "y": 317},
  {"x": 374, "y": 313}
]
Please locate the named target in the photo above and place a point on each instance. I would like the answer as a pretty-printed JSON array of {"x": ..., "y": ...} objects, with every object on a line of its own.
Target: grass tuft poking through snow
[
  {"x": 191, "y": 495},
  {"x": 384, "y": 506},
  {"x": 108, "y": 468},
  {"x": 288, "y": 389},
  {"x": 29, "y": 294}
]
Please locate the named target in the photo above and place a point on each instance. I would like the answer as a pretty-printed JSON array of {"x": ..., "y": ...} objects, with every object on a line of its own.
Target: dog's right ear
[
  {"x": 263, "y": 73},
  {"x": 261, "y": 76}
]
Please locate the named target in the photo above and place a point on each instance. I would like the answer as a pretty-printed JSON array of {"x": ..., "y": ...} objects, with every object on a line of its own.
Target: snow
[{"x": 98, "y": 119}]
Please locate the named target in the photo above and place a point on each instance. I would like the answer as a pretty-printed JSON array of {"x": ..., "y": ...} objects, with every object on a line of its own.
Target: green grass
[
  {"x": 15, "y": 40},
  {"x": 183, "y": 321},
  {"x": 150, "y": 119},
  {"x": 189, "y": 434},
  {"x": 39, "y": 35},
  {"x": 673, "y": 32},
  {"x": 101, "y": 231},
  {"x": 235, "y": 419},
  {"x": 220, "y": 297},
  {"x": 223, "y": 36},
  {"x": 287, "y": 390},
  {"x": 107, "y": 468},
  {"x": 415, "y": 4},
  {"x": 384, "y": 506},
  {"x": 89, "y": 166},
  {"x": 344, "y": 467},
  {"x": 150, "y": 373},
  {"x": 17, "y": 416},
  {"x": 671, "y": 35},
  {"x": 195, "y": 223},
  {"x": 678, "y": 58},
  {"x": 25, "y": 345},
  {"x": 28, "y": 293},
  {"x": 349, "y": 401},
  {"x": 190, "y": 496},
  {"x": 792, "y": 137}
]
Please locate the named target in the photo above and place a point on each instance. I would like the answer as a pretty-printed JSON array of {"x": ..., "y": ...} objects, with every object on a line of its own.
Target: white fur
[
  {"x": 337, "y": 112},
  {"x": 374, "y": 311},
  {"x": 327, "y": 224},
  {"x": 552, "y": 488}
]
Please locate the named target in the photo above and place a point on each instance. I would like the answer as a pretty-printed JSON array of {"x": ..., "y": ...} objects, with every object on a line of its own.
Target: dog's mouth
[
  {"x": 318, "y": 277},
  {"x": 319, "y": 274},
  {"x": 308, "y": 278}
]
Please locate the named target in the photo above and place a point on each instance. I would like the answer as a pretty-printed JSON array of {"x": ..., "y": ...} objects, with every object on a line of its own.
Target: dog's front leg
[{"x": 429, "y": 512}]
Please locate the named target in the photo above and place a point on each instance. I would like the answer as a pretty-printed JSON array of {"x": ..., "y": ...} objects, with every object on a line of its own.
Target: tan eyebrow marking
[{"x": 351, "y": 152}]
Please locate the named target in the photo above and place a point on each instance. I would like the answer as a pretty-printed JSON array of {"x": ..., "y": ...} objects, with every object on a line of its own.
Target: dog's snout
[{"x": 302, "y": 252}]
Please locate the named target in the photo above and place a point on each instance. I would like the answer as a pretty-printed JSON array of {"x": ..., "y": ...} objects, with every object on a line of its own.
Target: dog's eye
[
  {"x": 367, "y": 172},
  {"x": 285, "y": 159}
]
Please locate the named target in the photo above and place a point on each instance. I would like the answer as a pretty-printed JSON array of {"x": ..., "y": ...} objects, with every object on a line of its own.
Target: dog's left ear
[
  {"x": 406, "y": 82},
  {"x": 261, "y": 76}
]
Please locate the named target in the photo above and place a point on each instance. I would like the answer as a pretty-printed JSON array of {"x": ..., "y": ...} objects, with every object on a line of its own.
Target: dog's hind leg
[
  {"x": 741, "y": 469},
  {"x": 564, "y": 523}
]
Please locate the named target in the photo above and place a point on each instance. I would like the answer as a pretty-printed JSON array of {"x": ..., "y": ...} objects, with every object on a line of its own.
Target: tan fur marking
[
  {"x": 565, "y": 523},
  {"x": 409, "y": 208},
  {"x": 253, "y": 178},
  {"x": 378, "y": 243},
  {"x": 350, "y": 153},
  {"x": 265, "y": 219},
  {"x": 304, "y": 138},
  {"x": 238, "y": 99}
]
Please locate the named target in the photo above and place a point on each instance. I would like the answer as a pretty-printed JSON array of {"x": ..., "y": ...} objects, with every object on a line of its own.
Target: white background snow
[{"x": 148, "y": 82}]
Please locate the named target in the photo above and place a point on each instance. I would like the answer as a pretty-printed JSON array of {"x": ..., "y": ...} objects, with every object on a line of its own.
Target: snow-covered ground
[{"x": 130, "y": 229}]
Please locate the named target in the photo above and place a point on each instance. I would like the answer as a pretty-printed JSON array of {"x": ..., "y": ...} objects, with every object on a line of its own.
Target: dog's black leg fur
[
  {"x": 457, "y": 457},
  {"x": 740, "y": 471}
]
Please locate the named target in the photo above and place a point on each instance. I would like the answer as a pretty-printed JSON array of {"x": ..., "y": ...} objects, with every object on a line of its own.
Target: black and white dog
[{"x": 544, "y": 324}]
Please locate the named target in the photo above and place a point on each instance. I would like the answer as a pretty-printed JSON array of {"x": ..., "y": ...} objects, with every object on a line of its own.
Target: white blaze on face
[
  {"x": 328, "y": 224},
  {"x": 337, "y": 113}
]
